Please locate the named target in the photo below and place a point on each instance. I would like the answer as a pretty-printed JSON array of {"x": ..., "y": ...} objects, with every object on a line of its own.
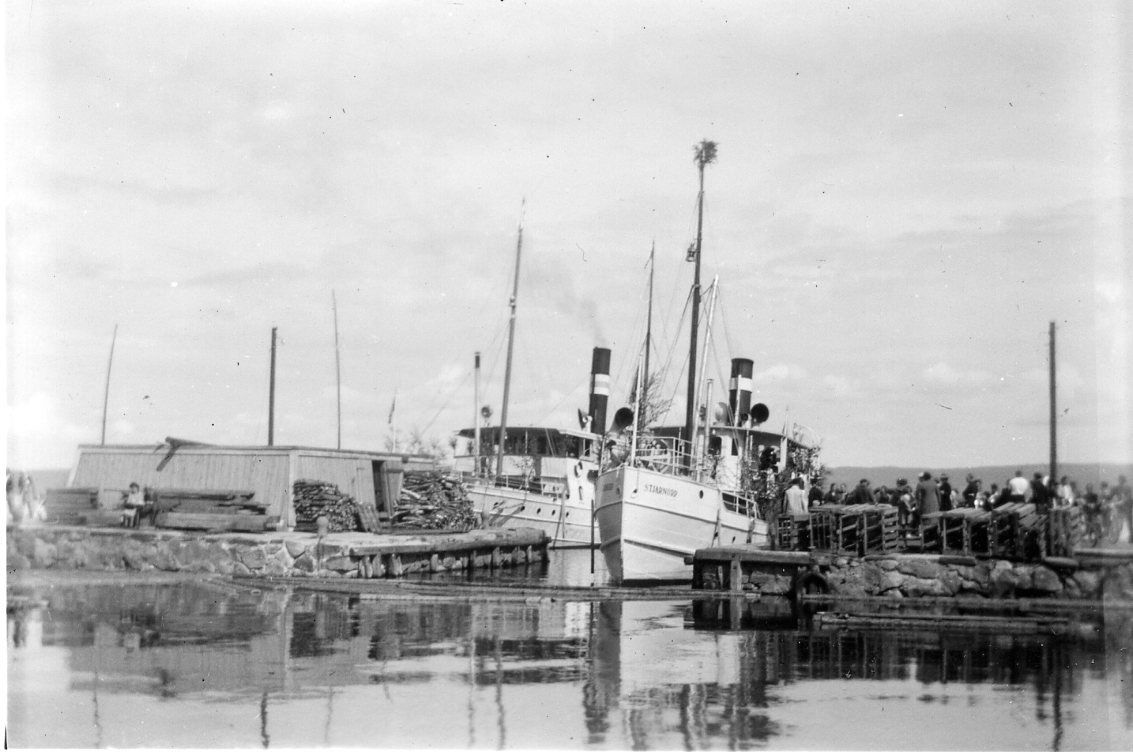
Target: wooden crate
[
  {"x": 1065, "y": 527},
  {"x": 848, "y": 529},
  {"x": 951, "y": 532},
  {"x": 929, "y": 534},
  {"x": 978, "y": 533},
  {"x": 872, "y": 538},
  {"x": 821, "y": 529},
  {"x": 891, "y": 539},
  {"x": 1003, "y": 531}
]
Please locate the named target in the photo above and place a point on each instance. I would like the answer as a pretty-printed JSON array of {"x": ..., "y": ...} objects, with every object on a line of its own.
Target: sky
[{"x": 906, "y": 195}]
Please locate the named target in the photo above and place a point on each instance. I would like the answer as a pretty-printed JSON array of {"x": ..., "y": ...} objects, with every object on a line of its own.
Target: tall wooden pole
[
  {"x": 705, "y": 153},
  {"x": 690, "y": 409},
  {"x": 510, "y": 345},
  {"x": 1053, "y": 414},
  {"x": 106, "y": 392},
  {"x": 649, "y": 325},
  {"x": 337, "y": 369},
  {"x": 271, "y": 393},
  {"x": 476, "y": 416}
]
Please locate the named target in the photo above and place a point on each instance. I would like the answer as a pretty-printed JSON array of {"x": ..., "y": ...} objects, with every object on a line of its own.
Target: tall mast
[
  {"x": 510, "y": 346},
  {"x": 705, "y": 154},
  {"x": 106, "y": 392},
  {"x": 649, "y": 323},
  {"x": 695, "y": 454},
  {"x": 1053, "y": 414},
  {"x": 476, "y": 416},
  {"x": 337, "y": 370}
]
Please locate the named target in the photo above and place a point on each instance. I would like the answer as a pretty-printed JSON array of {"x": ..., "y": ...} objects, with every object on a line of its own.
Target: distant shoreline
[{"x": 1079, "y": 472}]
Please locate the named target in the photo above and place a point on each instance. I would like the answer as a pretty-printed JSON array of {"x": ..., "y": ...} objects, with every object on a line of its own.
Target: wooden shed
[{"x": 269, "y": 471}]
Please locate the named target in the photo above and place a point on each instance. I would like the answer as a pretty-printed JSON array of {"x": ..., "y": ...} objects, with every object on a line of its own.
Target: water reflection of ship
[
  {"x": 647, "y": 678},
  {"x": 176, "y": 639}
]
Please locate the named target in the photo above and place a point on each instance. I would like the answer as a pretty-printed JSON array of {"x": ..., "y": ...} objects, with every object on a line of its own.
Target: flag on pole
[{"x": 392, "y": 405}]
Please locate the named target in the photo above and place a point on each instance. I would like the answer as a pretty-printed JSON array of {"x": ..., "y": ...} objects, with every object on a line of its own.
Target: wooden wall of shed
[{"x": 267, "y": 474}]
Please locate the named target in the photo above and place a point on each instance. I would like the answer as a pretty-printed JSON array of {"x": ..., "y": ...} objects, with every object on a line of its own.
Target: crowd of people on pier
[{"x": 930, "y": 495}]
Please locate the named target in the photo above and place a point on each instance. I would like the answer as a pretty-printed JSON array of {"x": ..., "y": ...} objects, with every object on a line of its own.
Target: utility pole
[
  {"x": 1053, "y": 414},
  {"x": 271, "y": 393}
]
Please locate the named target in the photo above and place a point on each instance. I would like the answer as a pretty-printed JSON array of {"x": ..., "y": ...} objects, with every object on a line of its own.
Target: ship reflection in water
[{"x": 209, "y": 664}]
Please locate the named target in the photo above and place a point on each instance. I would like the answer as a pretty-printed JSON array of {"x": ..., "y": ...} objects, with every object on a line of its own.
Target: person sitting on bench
[{"x": 132, "y": 506}]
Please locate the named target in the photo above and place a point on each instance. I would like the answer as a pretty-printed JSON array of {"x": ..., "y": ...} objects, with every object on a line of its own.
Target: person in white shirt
[
  {"x": 796, "y": 501},
  {"x": 1019, "y": 487}
]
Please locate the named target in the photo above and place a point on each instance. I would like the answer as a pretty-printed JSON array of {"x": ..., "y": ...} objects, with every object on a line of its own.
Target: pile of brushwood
[
  {"x": 316, "y": 498},
  {"x": 432, "y": 500}
]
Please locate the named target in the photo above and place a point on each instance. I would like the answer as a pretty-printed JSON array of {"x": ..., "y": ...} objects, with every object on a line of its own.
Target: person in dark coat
[
  {"x": 927, "y": 495},
  {"x": 861, "y": 494},
  {"x": 814, "y": 496},
  {"x": 971, "y": 491},
  {"x": 945, "y": 490}
]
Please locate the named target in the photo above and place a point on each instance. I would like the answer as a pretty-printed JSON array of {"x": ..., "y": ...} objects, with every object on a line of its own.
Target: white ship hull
[
  {"x": 563, "y": 511},
  {"x": 649, "y": 521}
]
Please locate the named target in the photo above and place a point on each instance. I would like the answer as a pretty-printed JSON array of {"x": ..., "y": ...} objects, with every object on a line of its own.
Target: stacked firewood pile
[
  {"x": 316, "y": 498},
  {"x": 431, "y": 500}
]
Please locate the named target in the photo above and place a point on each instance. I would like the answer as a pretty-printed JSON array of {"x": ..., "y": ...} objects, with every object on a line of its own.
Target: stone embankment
[
  {"x": 274, "y": 554},
  {"x": 1091, "y": 575},
  {"x": 919, "y": 575}
]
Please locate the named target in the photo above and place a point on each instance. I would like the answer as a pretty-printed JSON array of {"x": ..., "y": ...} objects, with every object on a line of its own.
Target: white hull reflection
[{"x": 651, "y": 521}]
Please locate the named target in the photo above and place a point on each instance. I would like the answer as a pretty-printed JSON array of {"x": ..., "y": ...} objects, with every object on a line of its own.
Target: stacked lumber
[
  {"x": 433, "y": 500},
  {"x": 315, "y": 498},
  {"x": 234, "y": 511},
  {"x": 197, "y": 501},
  {"x": 70, "y": 506}
]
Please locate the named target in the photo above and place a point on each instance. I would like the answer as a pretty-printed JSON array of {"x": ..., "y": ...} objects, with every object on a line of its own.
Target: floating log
[{"x": 1016, "y": 624}]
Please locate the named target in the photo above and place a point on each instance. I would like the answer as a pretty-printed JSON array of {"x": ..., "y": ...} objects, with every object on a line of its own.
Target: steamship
[
  {"x": 663, "y": 497},
  {"x": 664, "y": 494},
  {"x": 540, "y": 476}
]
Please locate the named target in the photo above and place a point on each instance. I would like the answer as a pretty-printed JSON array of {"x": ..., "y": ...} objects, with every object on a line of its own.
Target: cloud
[
  {"x": 839, "y": 385},
  {"x": 781, "y": 372},
  {"x": 39, "y": 437},
  {"x": 944, "y": 374}
]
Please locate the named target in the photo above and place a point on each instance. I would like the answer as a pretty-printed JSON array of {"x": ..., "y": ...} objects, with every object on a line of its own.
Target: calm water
[{"x": 119, "y": 662}]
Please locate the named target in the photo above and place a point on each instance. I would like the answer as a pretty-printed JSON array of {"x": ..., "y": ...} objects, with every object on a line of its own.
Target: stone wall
[
  {"x": 930, "y": 575},
  {"x": 912, "y": 575},
  {"x": 280, "y": 554}
]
